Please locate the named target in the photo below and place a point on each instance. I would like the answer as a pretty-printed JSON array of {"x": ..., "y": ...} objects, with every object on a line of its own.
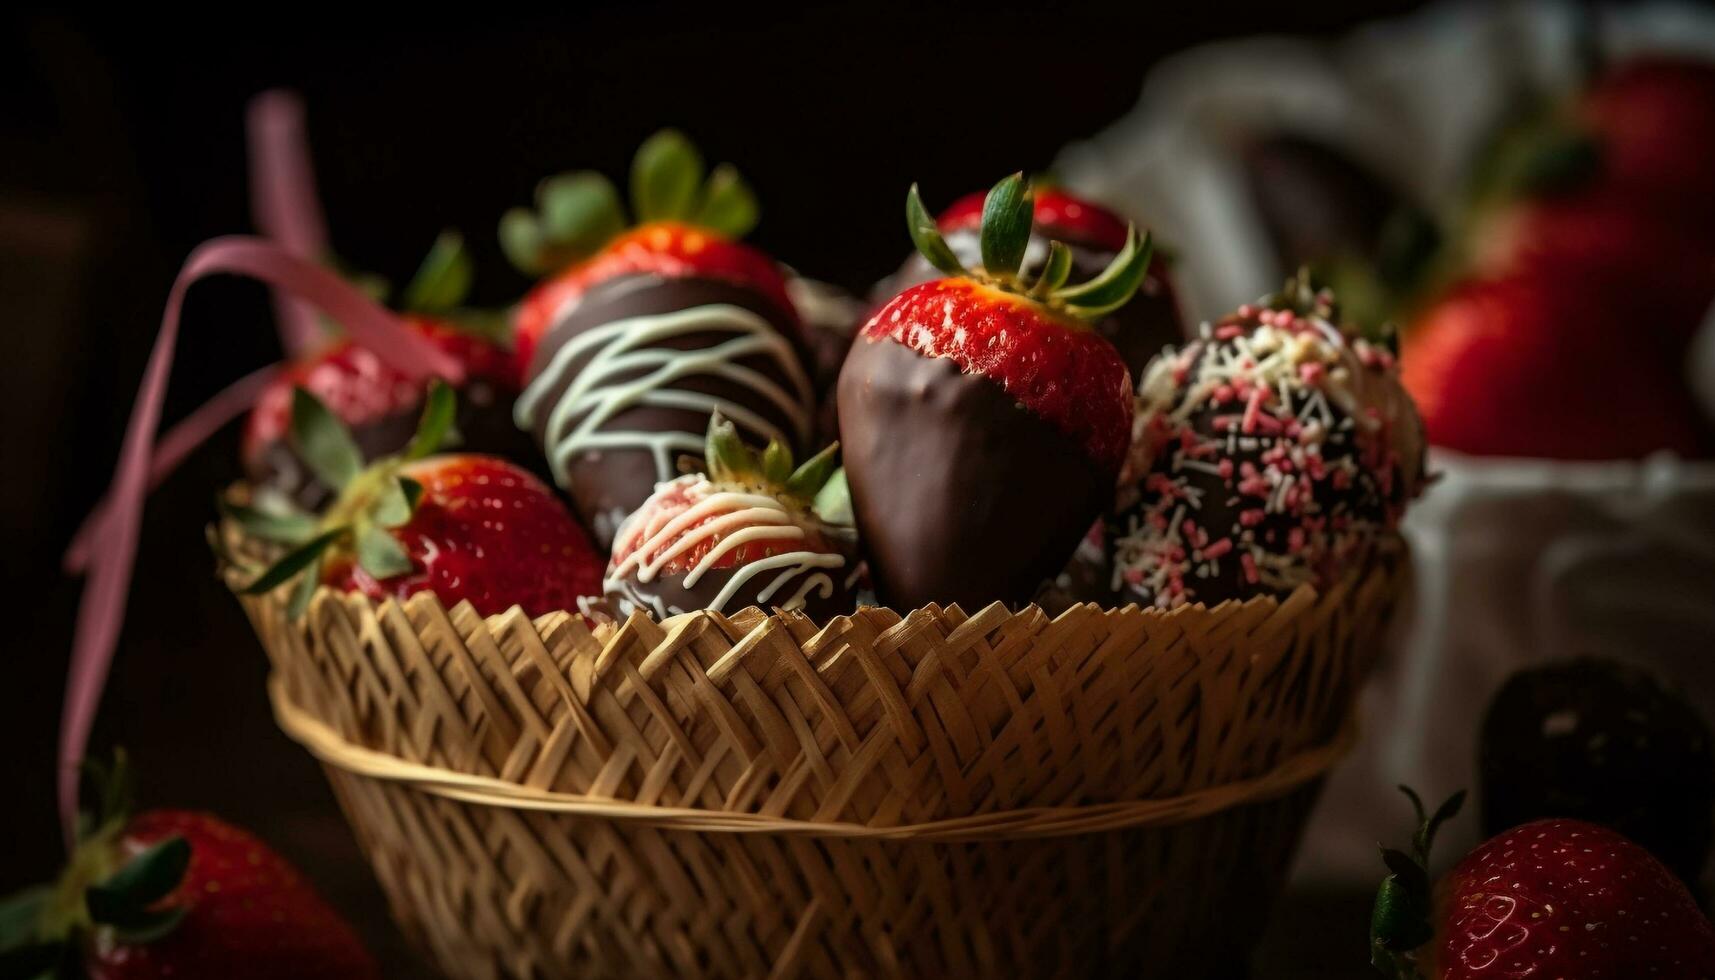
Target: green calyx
[
  {"x": 577, "y": 213},
  {"x": 439, "y": 288},
  {"x": 1008, "y": 212},
  {"x": 372, "y": 499},
  {"x": 819, "y": 483},
  {"x": 1400, "y": 922},
  {"x": 43, "y": 929}
]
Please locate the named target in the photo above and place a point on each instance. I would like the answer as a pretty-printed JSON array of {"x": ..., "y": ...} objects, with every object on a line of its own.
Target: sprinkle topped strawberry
[
  {"x": 1552, "y": 898},
  {"x": 169, "y": 893},
  {"x": 753, "y": 530},
  {"x": 466, "y": 527},
  {"x": 686, "y": 228},
  {"x": 1270, "y": 453},
  {"x": 377, "y": 402},
  {"x": 984, "y": 421}
]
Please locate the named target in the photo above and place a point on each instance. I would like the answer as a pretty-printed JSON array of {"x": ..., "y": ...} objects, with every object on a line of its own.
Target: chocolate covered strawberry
[
  {"x": 753, "y": 530},
  {"x": 686, "y": 227},
  {"x": 465, "y": 527},
  {"x": 1552, "y": 898},
  {"x": 1094, "y": 235},
  {"x": 984, "y": 420},
  {"x": 170, "y": 893},
  {"x": 1603, "y": 741},
  {"x": 379, "y": 403}
]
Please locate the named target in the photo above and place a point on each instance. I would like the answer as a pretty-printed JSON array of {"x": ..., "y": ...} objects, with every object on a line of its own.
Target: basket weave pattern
[{"x": 754, "y": 795}]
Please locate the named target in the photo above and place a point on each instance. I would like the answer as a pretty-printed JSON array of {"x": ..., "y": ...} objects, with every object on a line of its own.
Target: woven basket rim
[{"x": 333, "y": 750}]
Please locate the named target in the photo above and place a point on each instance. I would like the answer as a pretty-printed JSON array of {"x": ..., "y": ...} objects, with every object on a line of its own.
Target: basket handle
[{"x": 110, "y": 547}]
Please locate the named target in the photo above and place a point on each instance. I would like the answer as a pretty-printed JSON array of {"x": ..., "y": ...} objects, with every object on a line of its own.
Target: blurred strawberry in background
[{"x": 1562, "y": 306}]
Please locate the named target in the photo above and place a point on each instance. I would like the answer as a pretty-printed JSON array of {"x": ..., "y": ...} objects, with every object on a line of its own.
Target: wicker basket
[{"x": 1106, "y": 793}]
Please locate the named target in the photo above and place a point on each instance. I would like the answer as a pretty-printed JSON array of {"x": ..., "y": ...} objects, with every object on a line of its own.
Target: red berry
[
  {"x": 1534, "y": 365},
  {"x": 1563, "y": 898},
  {"x": 668, "y": 249},
  {"x": 1050, "y": 363},
  {"x": 249, "y": 914},
  {"x": 1654, "y": 120},
  {"x": 487, "y": 531}
]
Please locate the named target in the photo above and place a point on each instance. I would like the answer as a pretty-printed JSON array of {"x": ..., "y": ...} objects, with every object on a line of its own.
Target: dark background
[{"x": 121, "y": 147}]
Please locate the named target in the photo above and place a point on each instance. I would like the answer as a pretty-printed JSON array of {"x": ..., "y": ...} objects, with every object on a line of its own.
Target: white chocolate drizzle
[
  {"x": 611, "y": 382},
  {"x": 698, "y": 513}
]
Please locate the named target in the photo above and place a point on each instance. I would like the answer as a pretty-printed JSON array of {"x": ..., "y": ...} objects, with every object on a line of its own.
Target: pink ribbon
[
  {"x": 108, "y": 548},
  {"x": 284, "y": 203}
]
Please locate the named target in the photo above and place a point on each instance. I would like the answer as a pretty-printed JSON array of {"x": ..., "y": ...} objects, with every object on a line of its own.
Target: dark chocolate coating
[
  {"x": 1602, "y": 741},
  {"x": 608, "y": 484},
  {"x": 484, "y": 424},
  {"x": 960, "y": 493},
  {"x": 1138, "y": 330},
  {"x": 1087, "y": 577},
  {"x": 671, "y": 590}
]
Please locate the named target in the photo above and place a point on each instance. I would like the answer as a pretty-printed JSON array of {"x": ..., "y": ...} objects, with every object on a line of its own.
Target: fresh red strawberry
[
  {"x": 1654, "y": 123},
  {"x": 984, "y": 421},
  {"x": 686, "y": 227},
  {"x": 377, "y": 402},
  {"x": 1552, "y": 898},
  {"x": 1534, "y": 365},
  {"x": 752, "y": 530},
  {"x": 171, "y": 893},
  {"x": 1600, "y": 236},
  {"x": 464, "y": 527}
]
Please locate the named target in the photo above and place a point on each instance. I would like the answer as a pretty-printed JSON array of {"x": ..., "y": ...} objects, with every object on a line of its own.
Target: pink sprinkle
[
  {"x": 1134, "y": 576},
  {"x": 1252, "y": 408},
  {"x": 1251, "y": 516},
  {"x": 1311, "y": 372},
  {"x": 1248, "y": 563},
  {"x": 1247, "y": 311},
  {"x": 1229, "y": 332},
  {"x": 1218, "y": 548},
  {"x": 1295, "y": 540},
  {"x": 1222, "y": 393},
  {"x": 1225, "y": 468}
]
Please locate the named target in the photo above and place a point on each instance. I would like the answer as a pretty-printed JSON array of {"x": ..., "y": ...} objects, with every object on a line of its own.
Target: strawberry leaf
[
  {"x": 380, "y": 554},
  {"x": 776, "y": 463},
  {"x": 144, "y": 928},
  {"x": 323, "y": 441},
  {"x": 143, "y": 881},
  {"x": 439, "y": 410},
  {"x": 665, "y": 177},
  {"x": 1007, "y": 215},
  {"x": 522, "y": 240},
  {"x": 926, "y": 236},
  {"x": 1115, "y": 286},
  {"x": 725, "y": 455},
  {"x": 579, "y": 212},
  {"x": 305, "y": 589},
  {"x": 1056, "y": 269},
  {"x": 392, "y": 507},
  {"x": 443, "y": 280},
  {"x": 807, "y": 480},
  {"x": 295, "y": 561},
  {"x": 282, "y": 528},
  {"x": 729, "y": 205},
  {"x": 21, "y": 914},
  {"x": 834, "y": 501}
]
